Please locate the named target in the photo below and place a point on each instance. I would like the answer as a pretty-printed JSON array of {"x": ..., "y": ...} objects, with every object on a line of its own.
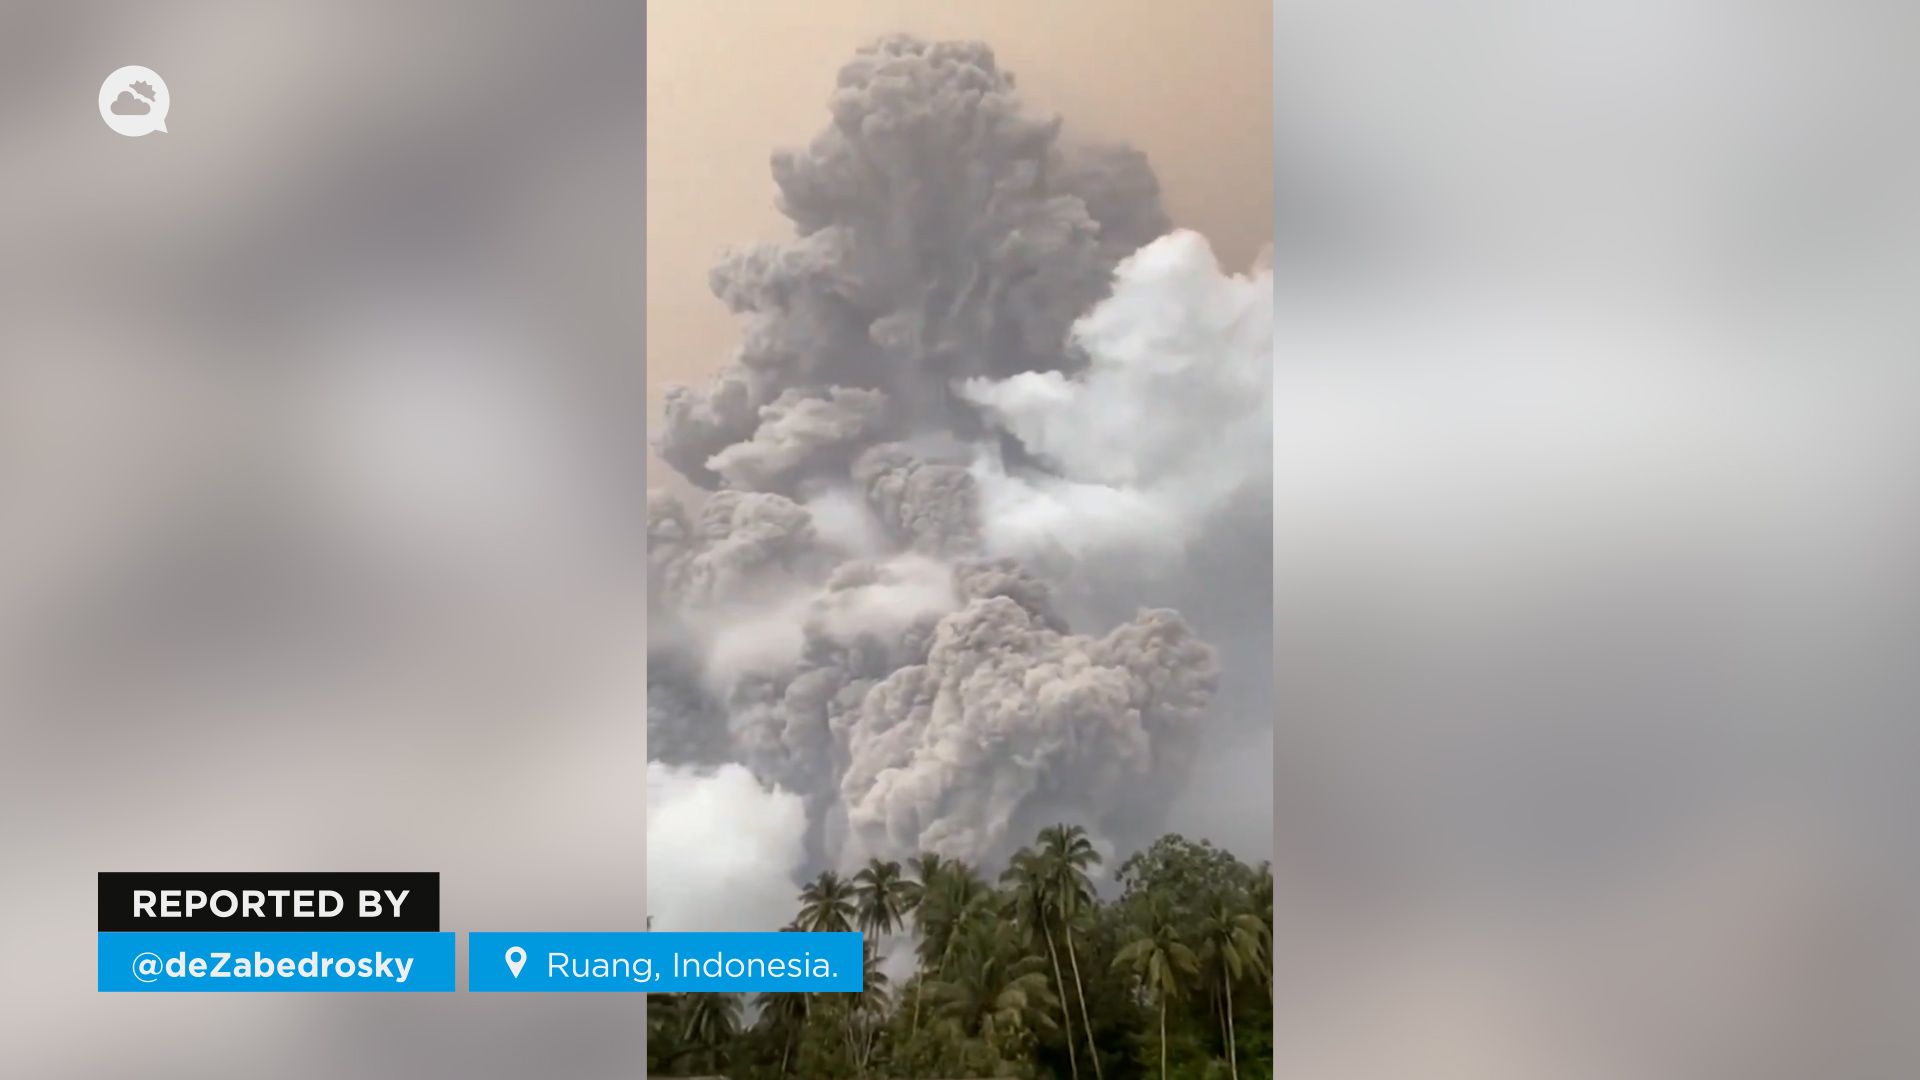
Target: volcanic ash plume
[
  {"x": 943, "y": 233},
  {"x": 974, "y": 317}
]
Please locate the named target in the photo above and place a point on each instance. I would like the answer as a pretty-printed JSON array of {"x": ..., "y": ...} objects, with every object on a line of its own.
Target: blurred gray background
[
  {"x": 322, "y": 456},
  {"x": 1597, "y": 436}
]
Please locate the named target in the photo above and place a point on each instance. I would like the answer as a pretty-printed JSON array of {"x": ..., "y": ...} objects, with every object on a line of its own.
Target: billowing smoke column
[{"x": 983, "y": 396}]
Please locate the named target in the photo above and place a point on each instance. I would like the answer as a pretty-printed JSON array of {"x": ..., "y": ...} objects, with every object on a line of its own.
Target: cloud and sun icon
[{"x": 135, "y": 100}]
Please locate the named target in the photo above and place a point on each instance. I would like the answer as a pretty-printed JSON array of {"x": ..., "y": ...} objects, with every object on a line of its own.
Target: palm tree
[
  {"x": 1161, "y": 962},
  {"x": 1230, "y": 942},
  {"x": 867, "y": 1010},
  {"x": 883, "y": 897},
  {"x": 874, "y": 996},
  {"x": 929, "y": 871},
  {"x": 708, "y": 1024},
  {"x": 958, "y": 898},
  {"x": 663, "y": 1027},
  {"x": 1066, "y": 853},
  {"x": 1262, "y": 905},
  {"x": 782, "y": 1013},
  {"x": 993, "y": 994},
  {"x": 927, "y": 868},
  {"x": 1031, "y": 902},
  {"x": 826, "y": 905}
]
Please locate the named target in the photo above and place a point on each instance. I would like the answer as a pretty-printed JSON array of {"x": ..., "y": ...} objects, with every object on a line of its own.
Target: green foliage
[
  {"x": 883, "y": 896},
  {"x": 691, "y": 1031},
  {"x": 994, "y": 992},
  {"x": 1158, "y": 955},
  {"x": 1188, "y": 1055},
  {"x": 1036, "y": 977},
  {"x": 826, "y": 905}
]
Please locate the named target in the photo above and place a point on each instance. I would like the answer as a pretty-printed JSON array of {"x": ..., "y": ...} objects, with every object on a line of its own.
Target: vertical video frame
[{"x": 959, "y": 525}]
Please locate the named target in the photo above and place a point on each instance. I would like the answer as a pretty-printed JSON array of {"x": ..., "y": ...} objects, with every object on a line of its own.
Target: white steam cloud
[
  {"x": 696, "y": 884},
  {"x": 1171, "y": 417}
]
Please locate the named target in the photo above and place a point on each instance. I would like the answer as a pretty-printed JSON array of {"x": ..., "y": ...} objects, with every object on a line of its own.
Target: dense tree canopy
[{"x": 1168, "y": 976}]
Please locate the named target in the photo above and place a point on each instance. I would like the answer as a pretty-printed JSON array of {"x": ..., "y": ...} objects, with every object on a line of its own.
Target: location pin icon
[{"x": 516, "y": 959}]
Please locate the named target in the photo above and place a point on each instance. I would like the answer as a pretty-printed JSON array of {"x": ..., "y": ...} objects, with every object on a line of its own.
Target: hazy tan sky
[{"x": 728, "y": 81}]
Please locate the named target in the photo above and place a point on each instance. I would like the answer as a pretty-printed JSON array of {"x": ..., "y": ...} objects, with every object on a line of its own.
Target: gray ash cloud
[{"x": 832, "y": 606}]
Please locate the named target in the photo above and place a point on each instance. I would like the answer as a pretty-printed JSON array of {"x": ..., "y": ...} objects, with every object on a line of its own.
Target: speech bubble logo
[{"x": 134, "y": 101}]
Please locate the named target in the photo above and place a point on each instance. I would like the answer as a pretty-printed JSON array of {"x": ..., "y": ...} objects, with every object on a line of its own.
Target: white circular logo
[{"x": 134, "y": 101}]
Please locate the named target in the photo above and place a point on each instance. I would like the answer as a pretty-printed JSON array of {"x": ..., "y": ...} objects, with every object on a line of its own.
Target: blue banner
[
  {"x": 663, "y": 963},
  {"x": 238, "y": 962}
]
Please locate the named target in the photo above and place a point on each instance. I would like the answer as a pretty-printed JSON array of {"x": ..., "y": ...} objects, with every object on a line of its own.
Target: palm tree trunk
[
  {"x": 1163, "y": 1035},
  {"x": 939, "y": 972},
  {"x": 919, "y": 983},
  {"x": 1080, "y": 991},
  {"x": 1233, "y": 1055},
  {"x": 1066, "y": 1013}
]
